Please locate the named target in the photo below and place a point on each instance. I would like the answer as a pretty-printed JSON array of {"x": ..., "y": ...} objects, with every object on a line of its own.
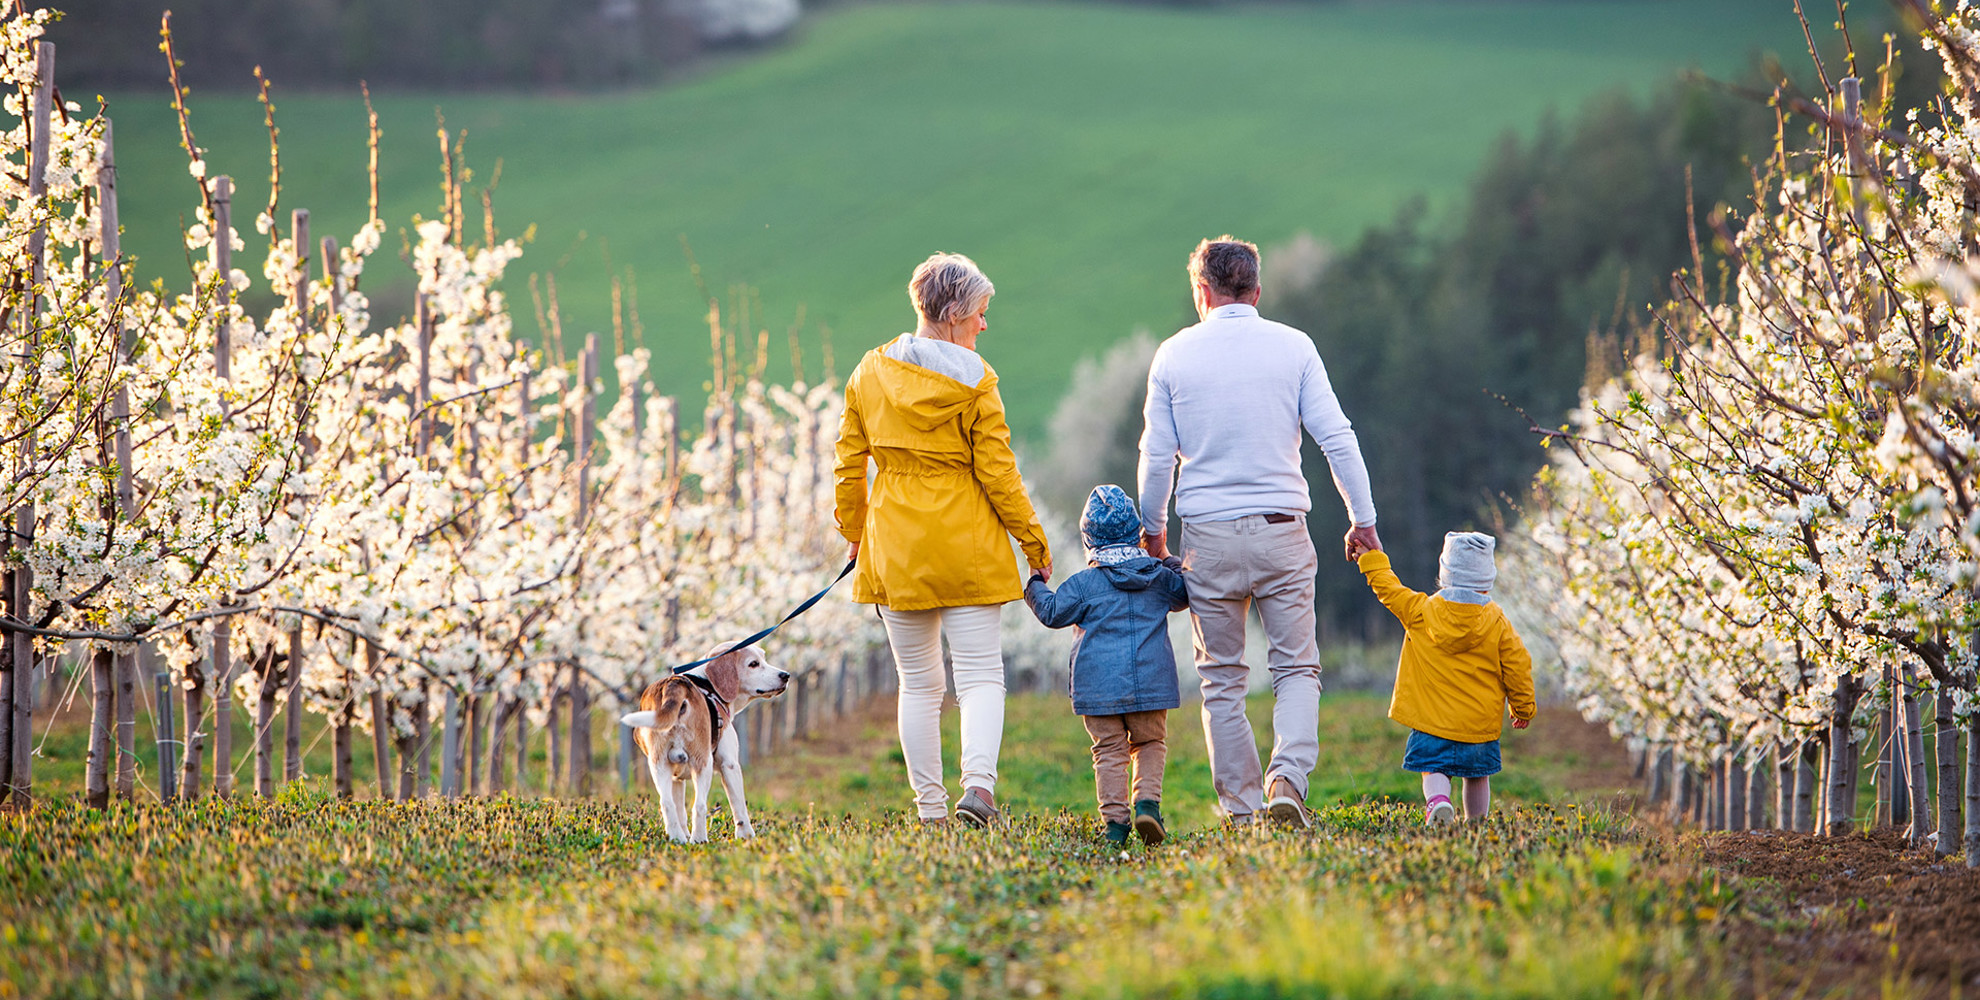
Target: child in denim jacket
[{"x": 1123, "y": 668}]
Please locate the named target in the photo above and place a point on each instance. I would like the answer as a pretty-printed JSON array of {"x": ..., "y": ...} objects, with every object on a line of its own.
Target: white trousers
[{"x": 977, "y": 658}]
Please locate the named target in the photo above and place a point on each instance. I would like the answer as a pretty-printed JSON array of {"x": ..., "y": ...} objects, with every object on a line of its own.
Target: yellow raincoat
[
  {"x": 946, "y": 498},
  {"x": 1461, "y": 663}
]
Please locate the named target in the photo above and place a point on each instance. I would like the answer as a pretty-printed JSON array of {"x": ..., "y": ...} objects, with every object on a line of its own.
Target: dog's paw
[{"x": 744, "y": 831}]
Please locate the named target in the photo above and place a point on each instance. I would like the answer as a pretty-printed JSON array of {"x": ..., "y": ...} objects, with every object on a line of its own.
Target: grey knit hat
[{"x": 1467, "y": 561}]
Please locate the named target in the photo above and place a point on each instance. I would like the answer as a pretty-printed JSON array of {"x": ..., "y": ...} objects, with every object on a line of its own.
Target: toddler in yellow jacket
[{"x": 1462, "y": 664}]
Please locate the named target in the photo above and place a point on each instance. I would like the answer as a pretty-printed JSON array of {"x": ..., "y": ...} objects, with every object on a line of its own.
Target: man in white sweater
[{"x": 1228, "y": 397}]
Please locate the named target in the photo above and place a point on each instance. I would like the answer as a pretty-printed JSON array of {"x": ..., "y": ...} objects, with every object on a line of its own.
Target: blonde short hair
[{"x": 947, "y": 287}]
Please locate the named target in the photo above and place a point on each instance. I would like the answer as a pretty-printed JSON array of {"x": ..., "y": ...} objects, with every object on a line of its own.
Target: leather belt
[{"x": 1280, "y": 518}]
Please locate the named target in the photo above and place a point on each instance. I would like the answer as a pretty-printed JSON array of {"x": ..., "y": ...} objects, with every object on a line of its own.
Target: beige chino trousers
[{"x": 1233, "y": 564}]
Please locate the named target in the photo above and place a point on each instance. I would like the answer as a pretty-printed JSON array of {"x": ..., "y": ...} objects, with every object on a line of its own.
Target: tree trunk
[
  {"x": 476, "y": 743},
  {"x": 1887, "y": 775},
  {"x": 169, "y": 747},
  {"x": 1808, "y": 756},
  {"x": 1840, "y": 818},
  {"x": 580, "y": 743},
  {"x": 1787, "y": 763},
  {"x": 1946, "y": 737},
  {"x": 520, "y": 717},
  {"x": 450, "y": 746},
  {"x": 341, "y": 777},
  {"x": 1920, "y": 811},
  {"x": 7, "y": 685},
  {"x": 292, "y": 712},
  {"x": 1756, "y": 791},
  {"x": 194, "y": 748},
  {"x": 381, "y": 744},
  {"x": 1973, "y": 791},
  {"x": 1715, "y": 795},
  {"x": 499, "y": 731},
  {"x": 264, "y": 723},
  {"x": 423, "y": 733},
  {"x": 223, "y": 699},
  {"x": 1660, "y": 774},
  {"x": 125, "y": 684},
  {"x": 102, "y": 711},
  {"x": 1735, "y": 793},
  {"x": 554, "y": 763}
]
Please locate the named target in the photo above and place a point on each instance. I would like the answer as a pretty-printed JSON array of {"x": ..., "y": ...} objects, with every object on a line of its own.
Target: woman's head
[{"x": 947, "y": 290}]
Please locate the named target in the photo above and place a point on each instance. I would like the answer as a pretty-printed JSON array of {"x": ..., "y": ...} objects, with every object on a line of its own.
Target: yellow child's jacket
[
  {"x": 946, "y": 498},
  {"x": 1461, "y": 663}
]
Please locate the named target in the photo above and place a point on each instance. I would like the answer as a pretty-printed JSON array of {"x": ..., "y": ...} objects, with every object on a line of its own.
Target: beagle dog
[{"x": 685, "y": 726}]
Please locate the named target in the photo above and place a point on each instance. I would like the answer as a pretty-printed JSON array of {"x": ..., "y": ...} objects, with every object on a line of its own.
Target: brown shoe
[{"x": 1285, "y": 805}]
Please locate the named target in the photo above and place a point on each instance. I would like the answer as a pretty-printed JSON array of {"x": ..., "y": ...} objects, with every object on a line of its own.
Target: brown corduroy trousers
[{"x": 1132, "y": 744}]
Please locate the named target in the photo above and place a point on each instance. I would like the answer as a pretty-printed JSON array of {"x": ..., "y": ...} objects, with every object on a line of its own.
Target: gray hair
[
  {"x": 1226, "y": 265},
  {"x": 947, "y": 287}
]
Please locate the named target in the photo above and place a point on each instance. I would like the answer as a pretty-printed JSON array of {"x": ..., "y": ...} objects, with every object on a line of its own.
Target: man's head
[{"x": 1223, "y": 271}]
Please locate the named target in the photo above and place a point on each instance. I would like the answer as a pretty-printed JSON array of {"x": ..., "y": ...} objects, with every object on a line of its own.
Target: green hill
[{"x": 1077, "y": 151}]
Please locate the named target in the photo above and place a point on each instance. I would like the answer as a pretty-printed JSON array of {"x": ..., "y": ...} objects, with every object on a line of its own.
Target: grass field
[
  {"x": 1076, "y": 150},
  {"x": 1561, "y": 894},
  {"x": 843, "y": 896}
]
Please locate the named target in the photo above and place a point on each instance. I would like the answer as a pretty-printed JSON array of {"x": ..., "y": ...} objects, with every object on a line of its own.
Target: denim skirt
[{"x": 1427, "y": 754}]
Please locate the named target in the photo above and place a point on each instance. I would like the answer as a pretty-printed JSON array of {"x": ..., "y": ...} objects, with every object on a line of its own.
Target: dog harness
[{"x": 718, "y": 708}]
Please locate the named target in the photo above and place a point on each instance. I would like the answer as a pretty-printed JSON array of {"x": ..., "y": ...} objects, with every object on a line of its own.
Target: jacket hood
[
  {"x": 1454, "y": 628},
  {"x": 1135, "y": 574},
  {"x": 914, "y": 374}
]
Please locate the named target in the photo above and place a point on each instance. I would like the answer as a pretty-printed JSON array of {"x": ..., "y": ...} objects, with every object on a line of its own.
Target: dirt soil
[{"x": 1826, "y": 912}]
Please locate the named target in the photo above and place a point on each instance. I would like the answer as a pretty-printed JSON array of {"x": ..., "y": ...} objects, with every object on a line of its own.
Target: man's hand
[
  {"x": 1157, "y": 545},
  {"x": 852, "y": 552},
  {"x": 1043, "y": 572},
  {"x": 1360, "y": 540},
  {"x": 1522, "y": 723}
]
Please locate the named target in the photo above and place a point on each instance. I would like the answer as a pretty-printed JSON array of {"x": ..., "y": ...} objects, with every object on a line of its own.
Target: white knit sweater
[{"x": 1229, "y": 396}]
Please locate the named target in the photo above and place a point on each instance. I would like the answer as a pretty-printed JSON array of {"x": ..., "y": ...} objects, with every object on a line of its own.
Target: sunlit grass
[{"x": 844, "y": 895}]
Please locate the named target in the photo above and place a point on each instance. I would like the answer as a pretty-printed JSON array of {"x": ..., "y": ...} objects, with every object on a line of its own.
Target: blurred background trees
[{"x": 430, "y": 43}]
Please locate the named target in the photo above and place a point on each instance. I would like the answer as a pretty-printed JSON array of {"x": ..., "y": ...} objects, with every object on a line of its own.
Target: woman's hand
[
  {"x": 1043, "y": 572},
  {"x": 852, "y": 552}
]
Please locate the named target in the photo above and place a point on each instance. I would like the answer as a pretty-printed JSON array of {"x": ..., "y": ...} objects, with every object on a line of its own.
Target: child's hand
[{"x": 1521, "y": 723}]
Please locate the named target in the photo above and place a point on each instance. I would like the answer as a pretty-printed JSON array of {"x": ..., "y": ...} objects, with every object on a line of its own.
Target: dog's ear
[{"x": 725, "y": 673}]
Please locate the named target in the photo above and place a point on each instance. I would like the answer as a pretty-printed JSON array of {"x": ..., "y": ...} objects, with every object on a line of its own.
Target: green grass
[
  {"x": 1076, "y": 150},
  {"x": 843, "y": 894},
  {"x": 1046, "y": 764}
]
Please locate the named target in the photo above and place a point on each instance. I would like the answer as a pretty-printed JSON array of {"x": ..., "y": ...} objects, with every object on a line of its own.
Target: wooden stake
[
  {"x": 343, "y": 774},
  {"x": 124, "y": 682},
  {"x": 292, "y": 763},
  {"x": 20, "y": 776},
  {"x": 223, "y": 352},
  {"x": 580, "y": 690}
]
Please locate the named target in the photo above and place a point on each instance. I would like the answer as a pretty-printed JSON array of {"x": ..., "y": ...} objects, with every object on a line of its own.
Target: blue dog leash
[{"x": 765, "y": 634}]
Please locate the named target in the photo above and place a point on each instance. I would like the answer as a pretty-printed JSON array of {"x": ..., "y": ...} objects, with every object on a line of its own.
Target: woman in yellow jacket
[
  {"x": 1462, "y": 666},
  {"x": 932, "y": 536}
]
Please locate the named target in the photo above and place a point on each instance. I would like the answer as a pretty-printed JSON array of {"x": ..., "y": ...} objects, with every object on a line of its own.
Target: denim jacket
[{"x": 1122, "y": 661}]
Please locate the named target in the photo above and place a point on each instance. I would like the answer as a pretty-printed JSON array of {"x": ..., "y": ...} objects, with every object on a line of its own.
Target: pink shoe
[{"x": 1440, "y": 812}]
